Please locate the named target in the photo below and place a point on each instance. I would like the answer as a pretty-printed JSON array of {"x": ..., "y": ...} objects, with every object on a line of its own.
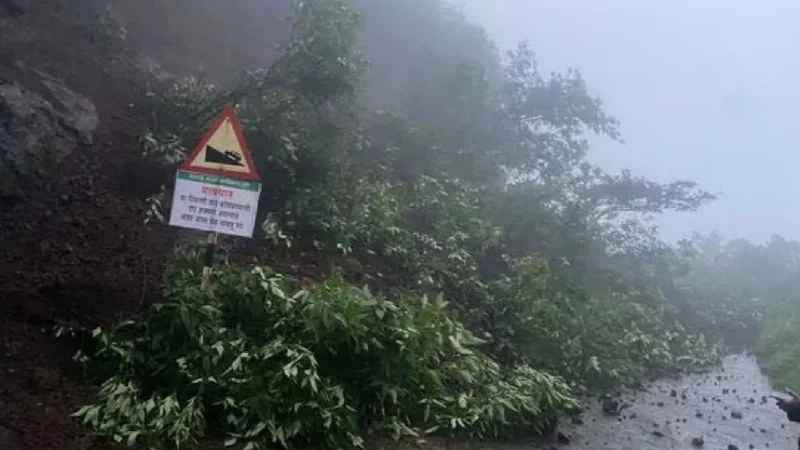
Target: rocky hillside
[
  {"x": 75, "y": 86},
  {"x": 76, "y": 89},
  {"x": 71, "y": 103}
]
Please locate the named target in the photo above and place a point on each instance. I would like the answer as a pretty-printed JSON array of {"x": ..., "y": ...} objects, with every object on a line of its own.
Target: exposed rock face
[{"x": 40, "y": 128}]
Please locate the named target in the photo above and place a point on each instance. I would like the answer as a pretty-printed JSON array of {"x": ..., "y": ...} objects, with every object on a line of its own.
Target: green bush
[
  {"x": 778, "y": 346},
  {"x": 591, "y": 339},
  {"x": 431, "y": 232},
  {"x": 263, "y": 365},
  {"x": 435, "y": 232}
]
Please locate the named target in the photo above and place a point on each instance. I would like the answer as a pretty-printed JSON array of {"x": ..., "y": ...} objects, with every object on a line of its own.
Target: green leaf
[
  {"x": 132, "y": 438},
  {"x": 462, "y": 400}
]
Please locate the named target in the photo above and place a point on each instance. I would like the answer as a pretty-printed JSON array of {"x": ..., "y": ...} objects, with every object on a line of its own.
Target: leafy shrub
[
  {"x": 266, "y": 367},
  {"x": 591, "y": 339},
  {"x": 777, "y": 347},
  {"x": 432, "y": 231}
]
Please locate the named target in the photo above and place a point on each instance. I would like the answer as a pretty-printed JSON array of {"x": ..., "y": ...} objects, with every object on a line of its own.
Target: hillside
[
  {"x": 451, "y": 181},
  {"x": 76, "y": 91}
]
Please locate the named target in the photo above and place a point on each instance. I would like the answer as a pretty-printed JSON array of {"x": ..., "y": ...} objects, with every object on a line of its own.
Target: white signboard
[{"x": 214, "y": 203}]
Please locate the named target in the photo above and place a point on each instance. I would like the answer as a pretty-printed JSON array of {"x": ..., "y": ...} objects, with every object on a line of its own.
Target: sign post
[{"x": 217, "y": 188}]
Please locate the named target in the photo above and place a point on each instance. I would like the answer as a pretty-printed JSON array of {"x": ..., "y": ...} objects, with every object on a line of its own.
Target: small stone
[{"x": 611, "y": 407}]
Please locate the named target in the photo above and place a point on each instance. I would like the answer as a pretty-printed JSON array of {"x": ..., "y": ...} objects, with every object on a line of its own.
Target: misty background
[
  {"x": 382, "y": 131},
  {"x": 706, "y": 91}
]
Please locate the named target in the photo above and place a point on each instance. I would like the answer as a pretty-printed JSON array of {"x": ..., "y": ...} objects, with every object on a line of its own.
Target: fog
[
  {"x": 342, "y": 259},
  {"x": 704, "y": 90}
]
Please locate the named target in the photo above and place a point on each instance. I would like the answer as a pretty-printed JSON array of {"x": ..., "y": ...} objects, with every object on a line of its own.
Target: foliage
[
  {"x": 778, "y": 348},
  {"x": 755, "y": 289},
  {"x": 470, "y": 180},
  {"x": 734, "y": 284},
  {"x": 747, "y": 294},
  {"x": 268, "y": 366},
  {"x": 431, "y": 230},
  {"x": 602, "y": 338},
  {"x": 293, "y": 108}
]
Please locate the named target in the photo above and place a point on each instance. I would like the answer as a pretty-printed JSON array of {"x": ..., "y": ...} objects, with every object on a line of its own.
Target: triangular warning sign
[{"x": 223, "y": 151}]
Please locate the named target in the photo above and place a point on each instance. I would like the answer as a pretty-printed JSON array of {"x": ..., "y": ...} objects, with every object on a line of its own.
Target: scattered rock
[
  {"x": 736, "y": 414},
  {"x": 611, "y": 407},
  {"x": 698, "y": 441}
]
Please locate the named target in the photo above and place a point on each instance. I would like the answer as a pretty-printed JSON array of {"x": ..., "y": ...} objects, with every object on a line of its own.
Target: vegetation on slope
[
  {"x": 272, "y": 365},
  {"x": 476, "y": 192}
]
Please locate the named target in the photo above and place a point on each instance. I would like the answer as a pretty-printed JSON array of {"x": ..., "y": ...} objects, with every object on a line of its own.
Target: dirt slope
[{"x": 70, "y": 222}]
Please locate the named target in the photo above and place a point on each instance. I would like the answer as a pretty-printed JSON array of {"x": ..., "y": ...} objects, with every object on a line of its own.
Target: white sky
[{"x": 705, "y": 90}]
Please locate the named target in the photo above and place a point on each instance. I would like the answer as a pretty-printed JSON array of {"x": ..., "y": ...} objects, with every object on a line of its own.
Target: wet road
[{"x": 723, "y": 407}]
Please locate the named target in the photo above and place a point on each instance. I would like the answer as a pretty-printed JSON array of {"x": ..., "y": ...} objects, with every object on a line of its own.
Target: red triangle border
[{"x": 227, "y": 113}]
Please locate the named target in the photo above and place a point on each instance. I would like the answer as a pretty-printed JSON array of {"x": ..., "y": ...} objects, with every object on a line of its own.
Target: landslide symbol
[{"x": 228, "y": 158}]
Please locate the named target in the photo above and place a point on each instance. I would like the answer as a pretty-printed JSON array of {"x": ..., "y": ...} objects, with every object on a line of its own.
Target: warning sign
[
  {"x": 223, "y": 151},
  {"x": 217, "y": 188},
  {"x": 214, "y": 203}
]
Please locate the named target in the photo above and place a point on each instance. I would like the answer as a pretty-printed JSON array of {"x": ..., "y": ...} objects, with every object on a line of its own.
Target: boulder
[{"x": 41, "y": 122}]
